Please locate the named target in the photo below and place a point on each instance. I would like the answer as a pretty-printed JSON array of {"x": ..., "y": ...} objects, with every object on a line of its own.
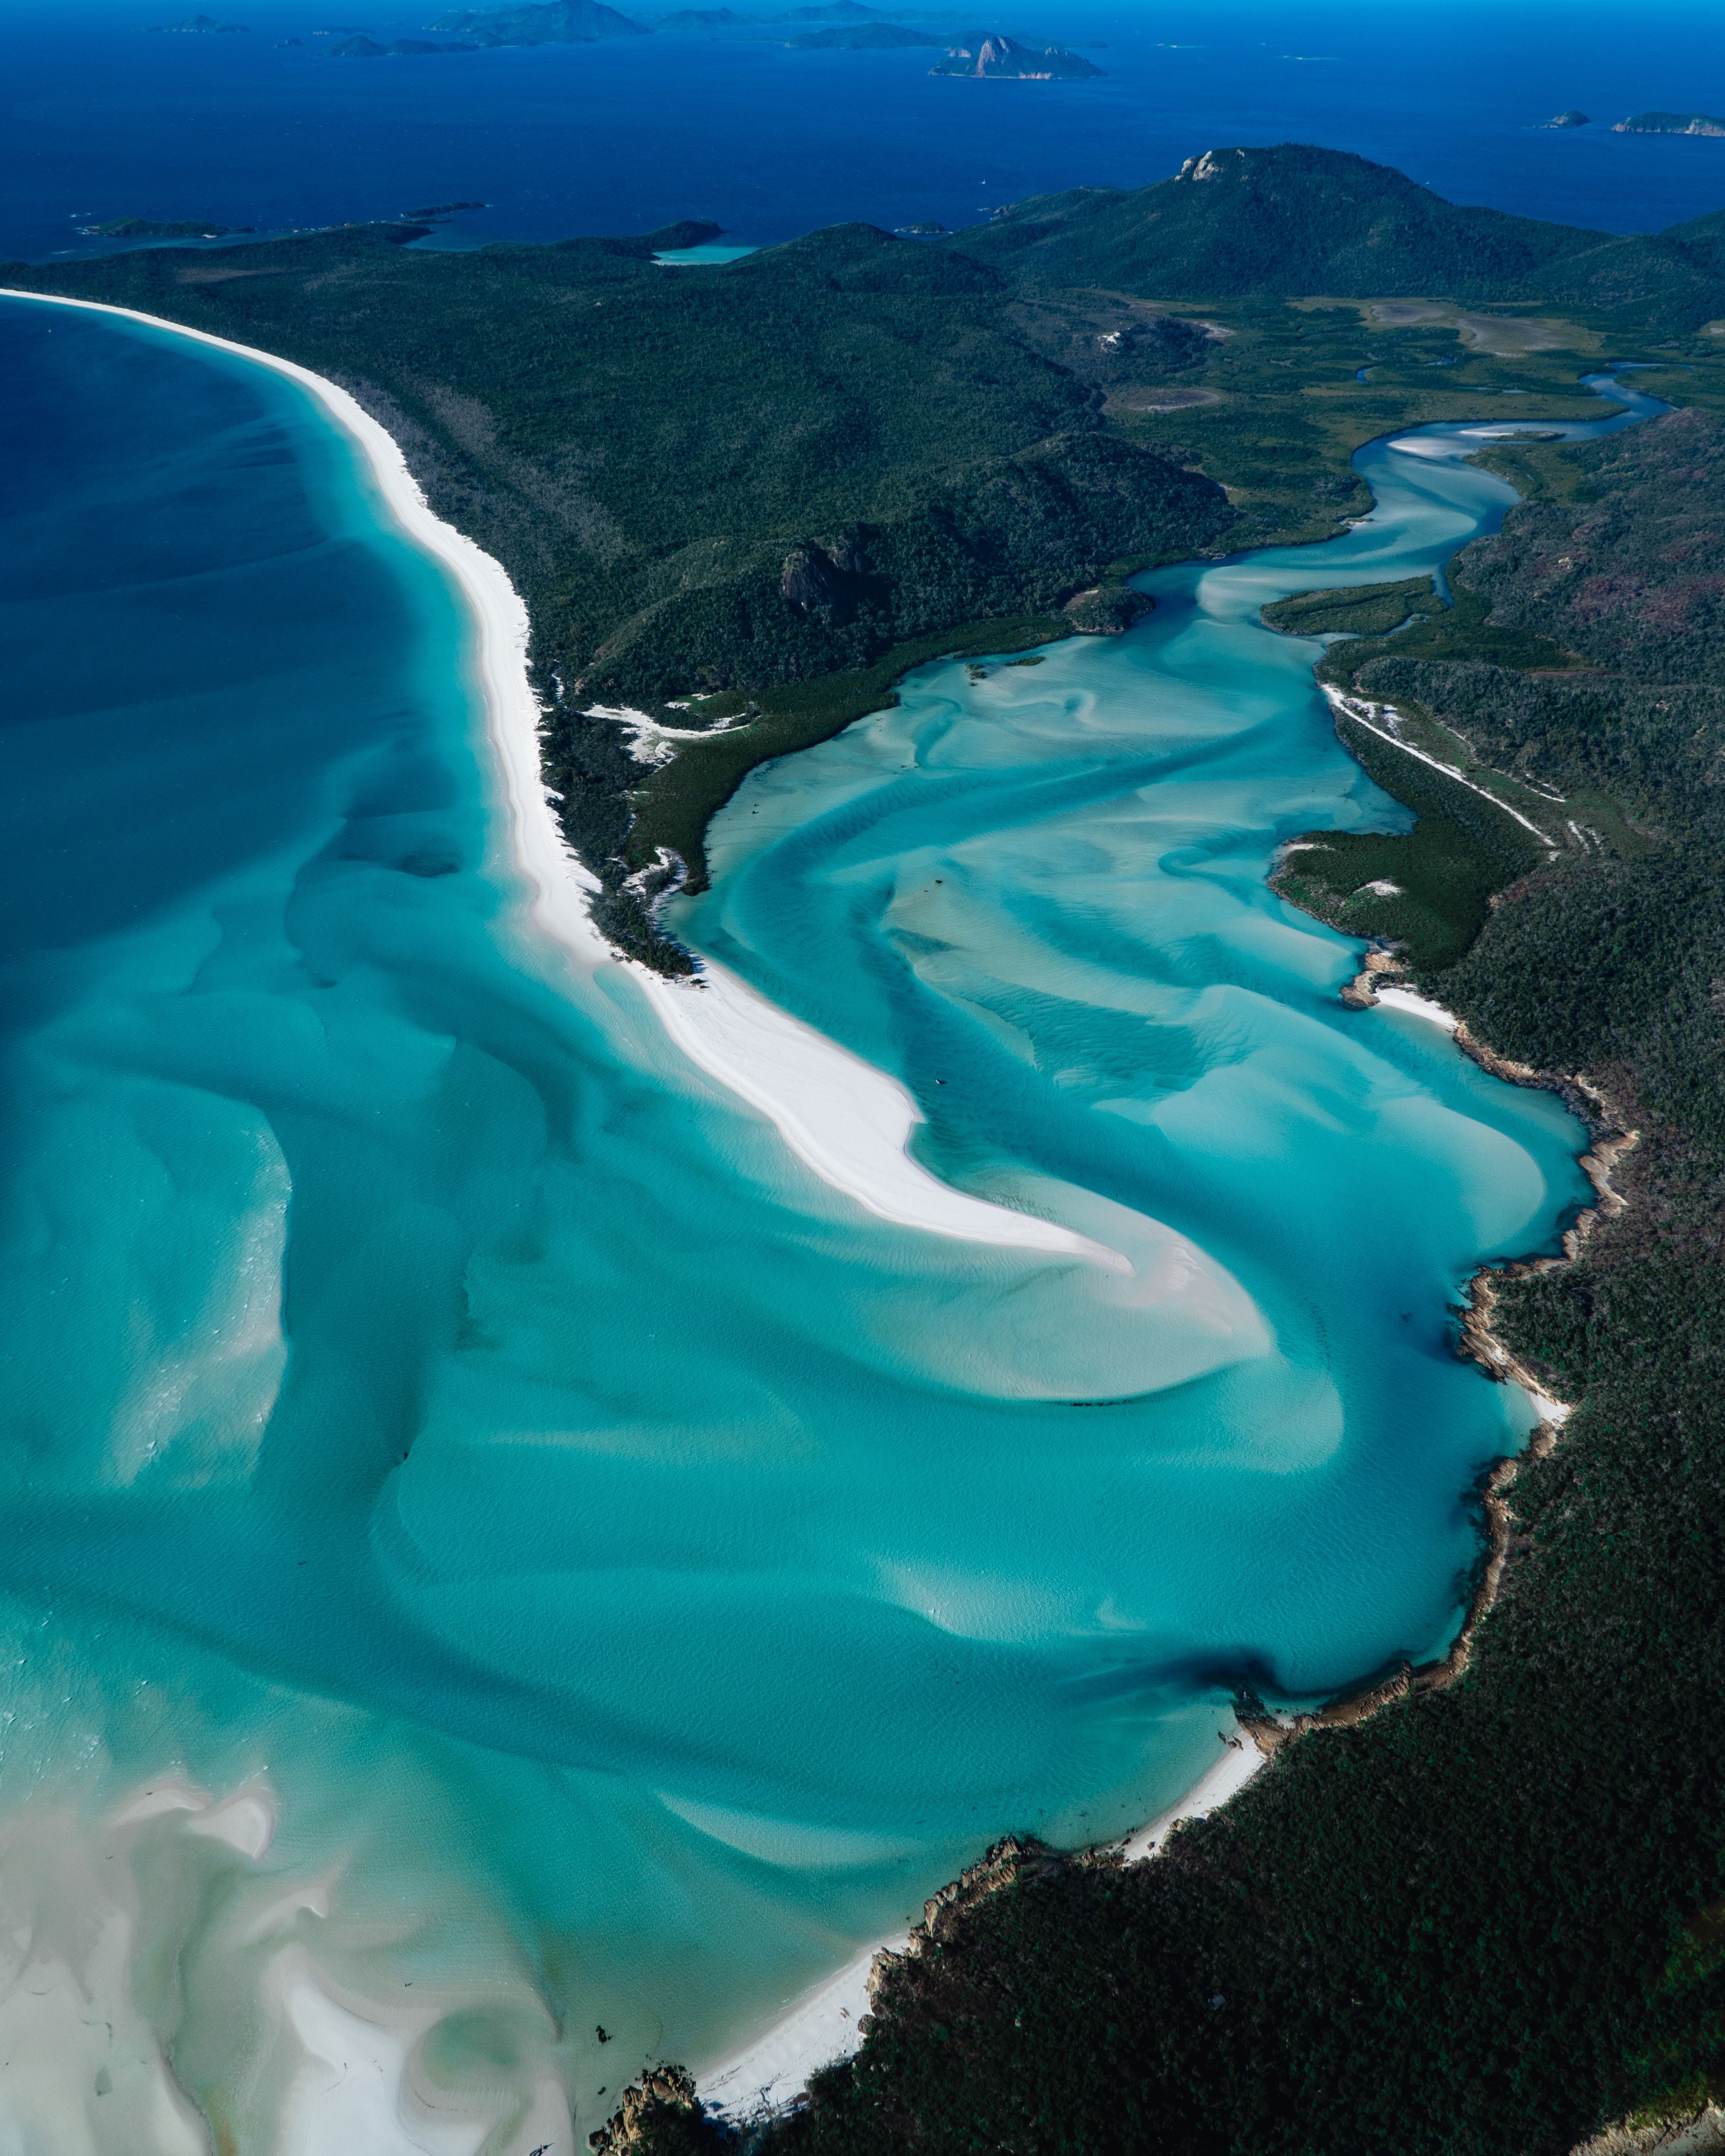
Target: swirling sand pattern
[{"x": 496, "y": 1547}]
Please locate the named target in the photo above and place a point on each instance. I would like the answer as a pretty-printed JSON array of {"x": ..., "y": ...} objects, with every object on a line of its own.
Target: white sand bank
[
  {"x": 1410, "y": 999},
  {"x": 847, "y": 1122}
]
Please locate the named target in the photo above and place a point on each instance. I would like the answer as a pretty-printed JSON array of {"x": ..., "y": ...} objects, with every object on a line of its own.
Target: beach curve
[{"x": 847, "y": 1122}]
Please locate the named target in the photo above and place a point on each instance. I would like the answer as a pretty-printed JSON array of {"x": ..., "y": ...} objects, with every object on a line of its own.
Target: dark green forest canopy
[{"x": 782, "y": 477}]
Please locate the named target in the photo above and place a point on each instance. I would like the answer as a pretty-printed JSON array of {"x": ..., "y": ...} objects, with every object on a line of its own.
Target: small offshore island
[
  {"x": 1483, "y": 1916},
  {"x": 1670, "y": 123}
]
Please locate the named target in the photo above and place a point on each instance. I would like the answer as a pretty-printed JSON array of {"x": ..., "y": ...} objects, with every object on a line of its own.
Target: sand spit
[{"x": 846, "y": 1121}]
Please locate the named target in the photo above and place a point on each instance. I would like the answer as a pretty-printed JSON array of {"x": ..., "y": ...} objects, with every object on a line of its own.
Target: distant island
[
  {"x": 555, "y": 22},
  {"x": 1670, "y": 123},
  {"x": 834, "y": 11},
  {"x": 1572, "y": 118},
  {"x": 149, "y": 227},
  {"x": 997, "y": 57},
  {"x": 194, "y": 26},
  {"x": 845, "y": 26},
  {"x": 441, "y": 209}
]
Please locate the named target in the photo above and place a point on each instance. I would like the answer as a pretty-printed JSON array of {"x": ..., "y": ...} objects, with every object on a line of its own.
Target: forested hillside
[
  {"x": 1296, "y": 220},
  {"x": 711, "y": 481},
  {"x": 760, "y": 491}
]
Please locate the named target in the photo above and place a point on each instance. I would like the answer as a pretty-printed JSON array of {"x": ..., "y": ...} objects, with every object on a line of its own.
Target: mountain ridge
[{"x": 1295, "y": 220}]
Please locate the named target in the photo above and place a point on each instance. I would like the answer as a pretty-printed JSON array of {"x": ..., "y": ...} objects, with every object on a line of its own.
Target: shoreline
[
  {"x": 823, "y": 2024},
  {"x": 849, "y": 1122}
]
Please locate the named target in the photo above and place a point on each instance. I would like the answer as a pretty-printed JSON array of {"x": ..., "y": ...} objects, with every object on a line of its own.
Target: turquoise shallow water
[{"x": 636, "y": 1573}]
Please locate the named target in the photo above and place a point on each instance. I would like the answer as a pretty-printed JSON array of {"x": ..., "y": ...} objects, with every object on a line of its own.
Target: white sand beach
[
  {"x": 1410, "y": 1000},
  {"x": 846, "y": 1121},
  {"x": 772, "y": 2069},
  {"x": 849, "y": 1123}
]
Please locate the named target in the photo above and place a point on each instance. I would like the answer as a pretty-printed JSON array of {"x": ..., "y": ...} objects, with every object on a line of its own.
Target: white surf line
[
  {"x": 847, "y": 1122},
  {"x": 1348, "y": 705}
]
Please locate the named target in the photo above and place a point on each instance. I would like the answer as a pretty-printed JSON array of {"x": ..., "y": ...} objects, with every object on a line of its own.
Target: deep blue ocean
[
  {"x": 104, "y": 120},
  {"x": 507, "y": 1575}
]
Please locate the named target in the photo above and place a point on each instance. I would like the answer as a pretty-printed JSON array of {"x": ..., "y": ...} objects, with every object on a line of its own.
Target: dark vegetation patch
[
  {"x": 1356, "y": 610},
  {"x": 1462, "y": 850},
  {"x": 673, "y": 807}
]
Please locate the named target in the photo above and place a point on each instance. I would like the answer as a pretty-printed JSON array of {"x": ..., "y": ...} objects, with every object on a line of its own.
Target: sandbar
[{"x": 847, "y": 1122}]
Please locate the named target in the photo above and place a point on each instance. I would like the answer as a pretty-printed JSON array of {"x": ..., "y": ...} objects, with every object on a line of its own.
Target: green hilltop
[{"x": 1295, "y": 220}]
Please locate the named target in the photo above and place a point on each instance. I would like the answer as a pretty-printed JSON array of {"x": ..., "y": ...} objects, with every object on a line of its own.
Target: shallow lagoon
[{"x": 620, "y": 1573}]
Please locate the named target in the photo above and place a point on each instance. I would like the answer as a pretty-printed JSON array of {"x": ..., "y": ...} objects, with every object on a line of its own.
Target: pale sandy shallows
[{"x": 846, "y": 1121}]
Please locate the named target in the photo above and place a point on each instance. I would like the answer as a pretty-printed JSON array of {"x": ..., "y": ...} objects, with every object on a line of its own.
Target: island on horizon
[
  {"x": 1670, "y": 123},
  {"x": 150, "y": 228},
  {"x": 994, "y": 57}
]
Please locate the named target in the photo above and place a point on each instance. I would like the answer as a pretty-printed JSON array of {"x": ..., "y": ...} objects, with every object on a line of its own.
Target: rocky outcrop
[
  {"x": 1018, "y": 1856},
  {"x": 1687, "y": 2134},
  {"x": 831, "y": 582},
  {"x": 660, "y": 2115},
  {"x": 999, "y": 58},
  {"x": 1670, "y": 123}
]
